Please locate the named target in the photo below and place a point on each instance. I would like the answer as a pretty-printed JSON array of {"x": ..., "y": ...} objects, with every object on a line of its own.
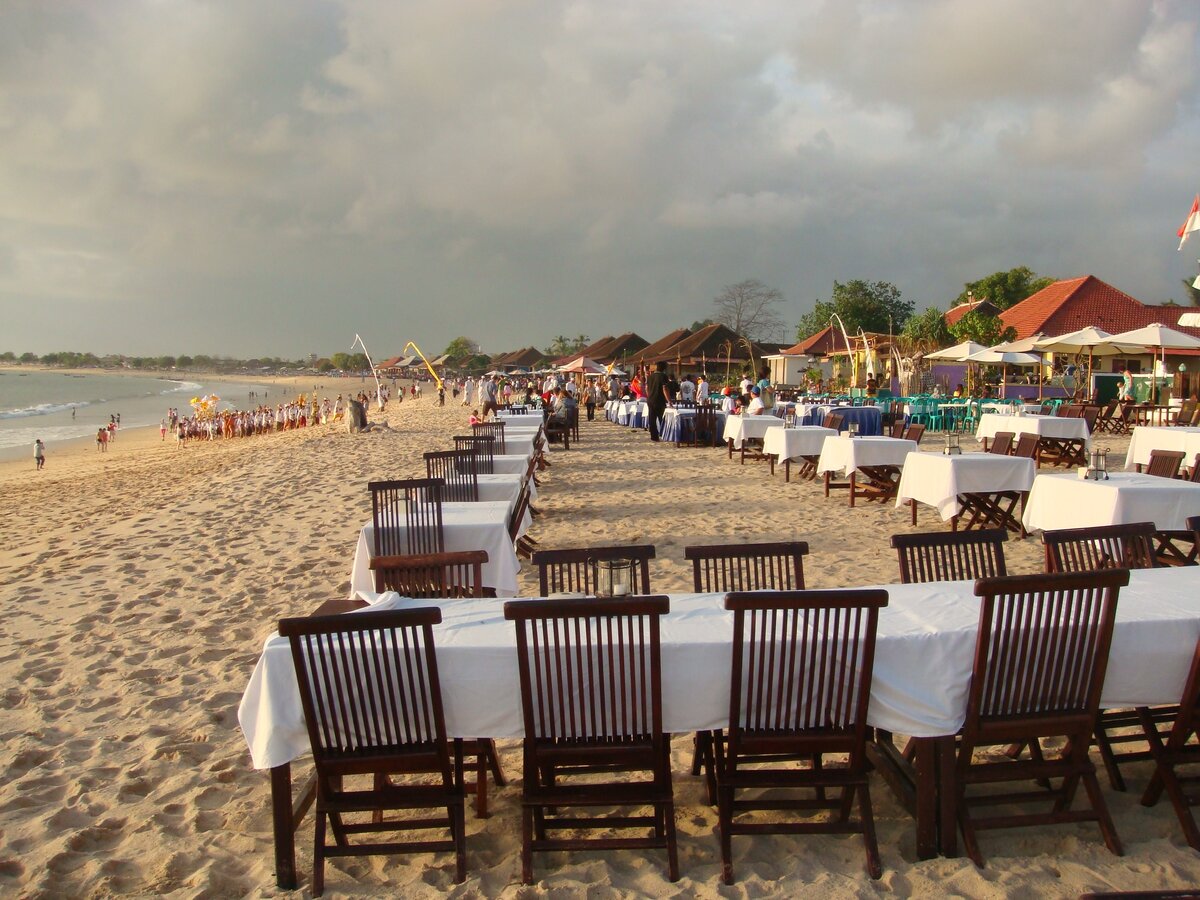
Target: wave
[
  {"x": 181, "y": 386},
  {"x": 45, "y": 409}
]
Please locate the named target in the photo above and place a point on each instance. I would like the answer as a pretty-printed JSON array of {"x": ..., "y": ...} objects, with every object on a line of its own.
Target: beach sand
[{"x": 138, "y": 587}]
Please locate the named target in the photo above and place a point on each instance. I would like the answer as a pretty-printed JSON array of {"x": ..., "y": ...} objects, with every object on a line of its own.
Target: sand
[{"x": 138, "y": 586}]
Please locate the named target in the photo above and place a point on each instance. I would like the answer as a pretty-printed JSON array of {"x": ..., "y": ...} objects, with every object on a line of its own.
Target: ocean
[{"x": 60, "y": 406}]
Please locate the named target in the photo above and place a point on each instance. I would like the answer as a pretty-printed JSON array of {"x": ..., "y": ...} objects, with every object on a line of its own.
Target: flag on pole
[{"x": 1192, "y": 223}]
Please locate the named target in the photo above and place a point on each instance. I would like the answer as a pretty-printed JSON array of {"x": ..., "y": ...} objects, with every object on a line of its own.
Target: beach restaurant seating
[
  {"x": 521, "y": 543},
  {"x": 1001, "y": 442},
  {"x": 406, "y": 516},
  {"x": 391, "y": 723},
  {"x": 570, "y": 570},
  {"x": 458, "y": 470},
  {"x": 1040, "y": 659},
  {"x": 495, "y": 429},
  {"x": 1165, "y": 463},
  {"x": 484, "y": 447},
  {"x": 950, "y": 556},
  {"x": 591, "y": 700},
  {"x": 914, "y": 432},
  {"x": 800, "y": 685},
  {"x": 1027, "y": 446}
]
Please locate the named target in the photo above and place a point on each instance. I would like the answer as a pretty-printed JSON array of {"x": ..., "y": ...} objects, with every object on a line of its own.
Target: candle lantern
[
  {"x": 852, "y": 429},
  {"x": 613, "y": 577},
  {"x": 952, "y": 448},
  {"x": 1098, "y": 465}
]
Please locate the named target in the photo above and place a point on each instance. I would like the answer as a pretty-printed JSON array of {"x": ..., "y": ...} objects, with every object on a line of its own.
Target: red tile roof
[
  {"x": 955, "y": 313},
  {"x": 1067, "y": 306},
  {"x": 818, "y": 344}
]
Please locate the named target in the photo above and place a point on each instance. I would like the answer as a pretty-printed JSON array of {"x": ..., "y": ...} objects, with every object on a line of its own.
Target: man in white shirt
[
  {"x": 756, "y": 407},
  {"x": 687, "y": 390},
  {"x": 702, "y": 390},
  {"x": 746, "y": 385}
]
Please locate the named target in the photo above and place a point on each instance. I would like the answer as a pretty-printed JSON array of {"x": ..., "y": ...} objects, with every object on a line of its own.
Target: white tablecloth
[
  {"x": 1067, "y": 501},
  {"x": 1042, "y": 426},
  {"x": 510, "y": 463},
  {"x": 923, "y": 662},
  {"x": 793, "y": 443},
  {"x": 1146, "y": 438},
  {"x": 845, "y": 454},
  {"x": 937, "y": 480},
  {"x": 466, "y": 526},
  {"x": 503, "y": 487},
  {"x": 737, "y": 428},
  {"x": 533, "y": 419}
]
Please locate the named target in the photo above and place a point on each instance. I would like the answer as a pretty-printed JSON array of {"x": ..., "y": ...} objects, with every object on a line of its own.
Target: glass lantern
[
  {"x": 952, "y": 448},
  {"x": 613, "y": 577},
  {"x": 1098, "y": 465}
]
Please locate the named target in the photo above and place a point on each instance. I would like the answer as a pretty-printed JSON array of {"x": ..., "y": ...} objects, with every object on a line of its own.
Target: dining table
[
  {"x": 869, "y": 419},
  {"x": 872, "y": 465},
  {"x": 800, "y": 444},
  {"x": 1068, "y": 501},
  {"x": 1062, "y": 439},
  {"x": 679, "y": 421},
  {"x": 481, "y": 525},
  {"x": 1147, "y": 438},
  {"x": 533, "y": 419},
  {"x": 739, "y": 429},
  {"x": 986, "y": 487},
  {"x": 922, "y": 672}
]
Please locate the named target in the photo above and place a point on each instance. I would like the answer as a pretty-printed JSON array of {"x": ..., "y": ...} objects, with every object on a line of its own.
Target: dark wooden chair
[
  {"x": 406, "y": 515},
  {"x": 950, "y": 556},
  {"x": 523, "y": 544},
  {"x": 898, "y": 427},
  {"x": 484, "y": 447},
  {"x": 1102, "y": 547},
  {"x": 800, "y": 686},
  {"x": 914, "y": 432},
  {"x": 1027, "y": 446},
  {"x": 1176, "y": 752},
  {"x": 1040, "y": 658},
  {"x": 720, "y": 568},
  {"x": 518, "y": 410},
  {"x": 375, "y": 713},
  {"x": 1124, "y": 420},
  {"x": 1105, "y": 420},
  {"x": 1187, "y": 410},
  {"x": 573, "y": 421},
  {"x": 458, "y": 469},
  {"x": 1090, "y": 414},
  {"x": 494, "y": 429},
  {"x": 1002, "y": 442},
  {"x": 834, "y": 421},
  {"x": 557, "y": 431},
  {"x": 569, "y": 570},
  {"x": 1165, "y": 463},
  {"x": 704, "y": 429},
  {"x": 446, "y": 575},
  {"x": 591, "y": 698}
]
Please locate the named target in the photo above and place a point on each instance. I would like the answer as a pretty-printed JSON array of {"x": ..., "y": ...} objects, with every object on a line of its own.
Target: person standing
[
  {"x": 656, "y": 399},
  {"x": 39, "y": 454},
  {"x": 487, "y": 389}
]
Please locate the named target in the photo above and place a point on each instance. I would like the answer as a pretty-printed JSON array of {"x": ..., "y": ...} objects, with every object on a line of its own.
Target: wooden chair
[
  {"x": 719, "y": 568},
  {"x": 446, "y": 575},
  {"x": 1187, "y": 410},
  {"x": 375, "y": 713},
  {"x": 484, "y": 446},
  {"x": 591, "y": 699},
  {"x": 1125, "y": 419},
  {"x": 406, "y": 516},
  {"x": 898, "y": 427},
  {"x": 1027, "y": 446},
  {"x": 1040, "y": 658},
  {"x": 574, "y": 423},
  {"x": 1105, "y": 420},
  {"x": 1090, "y": 414},
  {"x": 950, "y": 556},
  {"x": 458, "y": 469},
  {"x": 523, "y": 544},
  {"x": 914, "y": 432},
  {"x": 834, "y": 421},
  {"x": 1175, "y": 752},
  {"x": 557, "y": 430},
  {"x": 493, "y": 428},
  {"x": 1001, "y": 443},
  {"x": 704, "y": 428},
  {"x": 569, "y": 571},
  {"x": 800, "y": 686},
  {"x": 1102, "y": 547},
  {"x": 1165, "y": 463}
]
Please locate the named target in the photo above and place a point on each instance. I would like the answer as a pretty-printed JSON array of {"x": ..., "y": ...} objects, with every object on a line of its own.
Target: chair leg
[
  {"x": 668, "y": 815},
  {"x": 1110, "y": 761},
  {"x": 527, "y": 845},
  {"x": 1092, "y": 785},
  {"x": 874, "y": 863},
  {"x": 318, "y": 875},
  {"x": 725, "y": 825}
]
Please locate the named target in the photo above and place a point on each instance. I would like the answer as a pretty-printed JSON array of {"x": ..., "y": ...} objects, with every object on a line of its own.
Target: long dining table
[{"x": 922, "y": 673}]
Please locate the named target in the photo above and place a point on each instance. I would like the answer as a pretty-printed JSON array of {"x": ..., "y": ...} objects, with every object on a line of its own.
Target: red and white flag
[{"x": 1192, "y": 223}]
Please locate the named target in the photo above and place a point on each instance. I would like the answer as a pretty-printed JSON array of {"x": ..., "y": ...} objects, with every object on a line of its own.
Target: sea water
[{"x": 60, "y": 406}]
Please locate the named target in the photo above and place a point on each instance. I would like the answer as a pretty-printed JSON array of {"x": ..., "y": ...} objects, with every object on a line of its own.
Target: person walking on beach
[
  {"x": 102, "y": 439},
  {"x": 488, "y": 391},
  {"x": 39, "y": 454},
  {"x": 656, "y": 399}
]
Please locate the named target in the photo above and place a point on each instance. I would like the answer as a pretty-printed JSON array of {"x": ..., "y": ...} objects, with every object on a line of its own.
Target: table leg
[
  {"x": 730, "y": 442},
  {"x": 285, "y": 830},
  {"x": 912, "y": 504},
  {"x": 826, "y": 484},
  {"x": 947, "y": 808},
  {"x": 925, "y": 764},
  {"x": 787, "y": 470},
  {"x": 771, "y": 461},
  {"x": 852, "y": 487}
]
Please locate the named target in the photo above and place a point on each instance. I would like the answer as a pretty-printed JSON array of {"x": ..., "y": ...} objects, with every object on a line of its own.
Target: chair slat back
[
  {"x": 458, "y": 469},
  {"x": 406, "y": 515},
  {"x": 914, "y": 431},
  {"x": 484, "y": 446},
  {"x": 1090, "y": 414},
  {"x": 494, "y": 429},
  {"x": 748, "y": 567},
  {"x": 1042, "y": 647},
  {"x": 898, "y": 428},
  {"x": 802, "y": 661},
  {"x": 704, "y": 426},
  {"x": 590, "y": 669},
  {"x": 569, "y": 570},
  {"x": 1165, "y": 463},
  {"x": 517, "y": 517},
  {"x": 950, "y": 556},
  {"x": 1027, "y": 446},
  {"x": 454, "y": 574},
  {"x": 1002, "y": 442},
  {"x": 1129, "y": 546},
  {"x": 834, "y": 421},
  {"x": 369, "y": 683}
]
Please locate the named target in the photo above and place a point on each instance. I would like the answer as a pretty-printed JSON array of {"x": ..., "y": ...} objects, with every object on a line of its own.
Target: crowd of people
[{"x": 263, "y": 419}]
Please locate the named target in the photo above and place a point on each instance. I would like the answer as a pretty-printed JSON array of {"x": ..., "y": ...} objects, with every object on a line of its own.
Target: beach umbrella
[
  {"x": 1153, "y": 338},
  {"x": 1004, "y": 358},
  {"x": 1090, "y": 340},
  {"x": 957, "y": 353}
]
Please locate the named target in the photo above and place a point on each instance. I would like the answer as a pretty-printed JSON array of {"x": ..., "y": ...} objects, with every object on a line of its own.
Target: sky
[{"x": 271, "y": 178}]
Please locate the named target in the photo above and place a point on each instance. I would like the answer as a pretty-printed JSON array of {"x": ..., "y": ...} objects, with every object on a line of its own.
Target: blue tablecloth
[
  {"x": 869, "y": 418},
  {"x": 673, "y": 427}
]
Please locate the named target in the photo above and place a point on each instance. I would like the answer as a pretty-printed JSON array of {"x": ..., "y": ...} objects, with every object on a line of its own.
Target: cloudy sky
[{"x": 271, "y": 177}]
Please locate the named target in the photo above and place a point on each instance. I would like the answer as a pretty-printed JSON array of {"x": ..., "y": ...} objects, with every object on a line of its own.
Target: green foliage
[
  {"x": 324, "y": 365},
  {"x": 8, "y": 356},
  {"x": 927, "y": 330},
  {"x": 700, "y": 323},
  {"x": 565, "y": 346},
  {"x": 859, "y": 304},
  {"x": 1005, "y": 289},
  {"x": 986, "y": 330},
  {"x": 461, "y": 348}
]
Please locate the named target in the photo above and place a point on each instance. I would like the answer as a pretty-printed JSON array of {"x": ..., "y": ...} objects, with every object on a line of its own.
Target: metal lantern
[
  {"x": 613, "y": 577},
  {"x": 852, "y": 429},
  {"x": 952, "y": 448},
  {"x": 1097, "y": 469}
]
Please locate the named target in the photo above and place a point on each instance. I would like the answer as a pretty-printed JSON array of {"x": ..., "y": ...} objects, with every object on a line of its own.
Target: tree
[
  {"x": 1005, "y": 289},
  {"x": 183, "y": 362},
  {"x": 750, "y": 308},
  {"x": 1191, "y": 291},
  {"x": 875, "y": 307},
  {"x": 8, "y": 356},
  {"x": 565, "y": 346},
  {"x": 927, "y": 331},
  {"x": 700, "y": 323},
  {"x": 461, "y": 348},
  {"x": 324, "y": 365},
  {"x": 986, "y": 330},
  {"x": 28, "y": 357}
]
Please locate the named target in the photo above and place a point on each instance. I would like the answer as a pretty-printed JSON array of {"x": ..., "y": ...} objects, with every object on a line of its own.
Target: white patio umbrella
[
  {"x": 1004, "y": 358},
  {"x": 1153, "y": 338},
  {"x": 1091, "y": 340},
  {"x": 957, "y": 353}
]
